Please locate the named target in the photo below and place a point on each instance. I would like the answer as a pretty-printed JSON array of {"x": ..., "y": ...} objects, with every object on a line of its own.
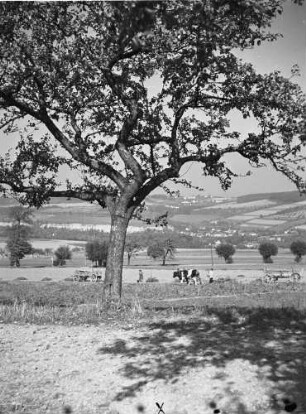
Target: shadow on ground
[{"x": 272, "y": 340}]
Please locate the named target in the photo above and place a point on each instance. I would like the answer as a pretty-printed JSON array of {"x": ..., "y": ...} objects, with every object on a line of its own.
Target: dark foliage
[
  {"x": 298, "y": 248},
  {"x": 96, "y": 251},
  {"x": 62, "y": 254},
  {"x": 267, "y": 250}
]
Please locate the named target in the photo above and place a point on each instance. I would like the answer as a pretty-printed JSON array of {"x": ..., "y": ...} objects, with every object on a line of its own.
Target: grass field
[{"x": 77, "y": 303}]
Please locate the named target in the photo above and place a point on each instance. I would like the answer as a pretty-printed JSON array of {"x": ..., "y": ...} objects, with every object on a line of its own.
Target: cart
[
  {"x": 273, "y": 275},
  {"x": 87, "y": 276}
]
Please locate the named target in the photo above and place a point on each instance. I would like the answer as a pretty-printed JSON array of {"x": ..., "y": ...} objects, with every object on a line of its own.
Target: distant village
[
  {"x": 205, "y": 220},
  {"x": 229, "y": 228}
]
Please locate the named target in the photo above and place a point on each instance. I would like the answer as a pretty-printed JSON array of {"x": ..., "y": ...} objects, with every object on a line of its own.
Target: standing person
[
  {"x": 140, "y": 280},
  {"x": 211, "y": 275}
]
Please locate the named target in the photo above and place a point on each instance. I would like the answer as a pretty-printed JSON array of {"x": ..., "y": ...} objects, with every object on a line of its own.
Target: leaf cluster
[
  {"x": 96, "y": 251},
  {"x": 62, "y": 254},
  {"x": 267, "y": 249},
  {"x": 226, "y": 251},
  {"x": 298, "y": 248}
]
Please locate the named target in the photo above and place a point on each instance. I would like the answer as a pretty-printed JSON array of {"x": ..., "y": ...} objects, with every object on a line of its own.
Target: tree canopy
[
  {"x": 226, "y": 250},
  {"x": 62, "y": 253},
  {"x": 96, "y": 251},
  {"x": 133, "y": 245},
  {"x": 164, "y": 248},
  {"x": 124, "y": 94},
  {"x": 267, "y": 249}
]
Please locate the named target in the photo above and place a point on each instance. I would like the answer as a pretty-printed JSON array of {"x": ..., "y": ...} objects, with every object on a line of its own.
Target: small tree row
[
  {"x": 266, "y": 249},
  {"x": 297, "y": 248}
]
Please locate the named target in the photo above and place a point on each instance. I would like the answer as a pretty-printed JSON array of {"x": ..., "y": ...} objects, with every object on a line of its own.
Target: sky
[{"x": 279, "y": 55}]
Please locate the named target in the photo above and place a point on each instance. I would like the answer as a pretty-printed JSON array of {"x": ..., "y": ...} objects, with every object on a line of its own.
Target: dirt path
[{"x": 189, "y": 366}]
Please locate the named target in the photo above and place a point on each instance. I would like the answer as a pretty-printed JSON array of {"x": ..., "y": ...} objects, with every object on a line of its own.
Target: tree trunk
[
  {"x": 129, "y": 258},
  {"x": 114, "y": 264}
]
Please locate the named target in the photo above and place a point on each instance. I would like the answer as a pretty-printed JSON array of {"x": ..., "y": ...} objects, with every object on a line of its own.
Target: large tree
[{"x": 125, "y": 94}]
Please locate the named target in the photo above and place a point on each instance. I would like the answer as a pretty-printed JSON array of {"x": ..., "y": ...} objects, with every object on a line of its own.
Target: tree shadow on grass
[{"x": 271, "y": 340}]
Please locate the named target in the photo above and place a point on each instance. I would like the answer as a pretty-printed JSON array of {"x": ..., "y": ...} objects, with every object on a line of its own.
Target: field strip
[{"x": 210, "y": 296}]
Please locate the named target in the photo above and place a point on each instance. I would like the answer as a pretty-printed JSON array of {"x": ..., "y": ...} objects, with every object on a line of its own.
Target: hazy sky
[{"x": 280, "y": 55}]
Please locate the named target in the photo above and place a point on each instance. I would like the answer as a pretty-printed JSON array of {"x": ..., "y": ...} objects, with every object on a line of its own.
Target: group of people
[{"x": 210, "y": 275}]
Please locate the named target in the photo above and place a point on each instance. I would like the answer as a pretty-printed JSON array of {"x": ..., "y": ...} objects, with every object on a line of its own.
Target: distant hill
[
  {"x": 264, "y": 210},
  {"x": 281, "y": 197}
]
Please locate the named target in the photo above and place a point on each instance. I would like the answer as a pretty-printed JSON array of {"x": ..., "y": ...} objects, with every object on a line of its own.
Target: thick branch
[
  {"x": 213, "y": 156},
  {"x": 23, "y": 107},
  {"x": 79, "y": 194},
  {"x": 122, "y": 146},
  {"x": 155, "y": 182},
  {"x": 175, "y": 154},
  {"x": 125, "y": 55}
]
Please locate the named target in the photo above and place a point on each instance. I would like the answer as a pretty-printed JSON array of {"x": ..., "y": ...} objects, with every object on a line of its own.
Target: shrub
[
  {"x": 62, "y": 254},
  {"x": 46, "y": 279},
  {"x": 21, "y": 278},
  {"x": 152, "y": 280}
]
